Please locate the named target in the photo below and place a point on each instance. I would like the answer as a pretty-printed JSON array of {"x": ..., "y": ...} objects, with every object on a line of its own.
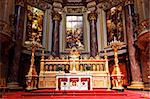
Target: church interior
[{"x": 74, "y": 48}]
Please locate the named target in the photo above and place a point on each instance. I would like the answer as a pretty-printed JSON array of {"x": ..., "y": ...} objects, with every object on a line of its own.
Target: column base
[
  {"x": 29, "y": 88},
  {"x": 117, "y": 88},
  {"x": 2, "y": 82},
  {"x": 147, "y": 87},
  {"x": 136, "y": 85},
  {"x": 14, "y": 86}
]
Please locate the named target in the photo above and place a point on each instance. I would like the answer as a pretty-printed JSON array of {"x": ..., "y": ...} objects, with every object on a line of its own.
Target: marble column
[
  {"x": 55, "y": 34},
  {"x": 19, "y": 26},
  {"x": 6, "y": 11},
  {"x": 135, "y": 68},
  {"x": 3, "y": 64},
  {"x": 92, "y": 17}
]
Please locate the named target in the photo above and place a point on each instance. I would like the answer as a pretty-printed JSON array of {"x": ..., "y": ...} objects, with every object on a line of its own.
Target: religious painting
[
  {"x": 114, "y": 21},
  {"x": 34, "y": 23},
  {"x": 74, "y": 32}
]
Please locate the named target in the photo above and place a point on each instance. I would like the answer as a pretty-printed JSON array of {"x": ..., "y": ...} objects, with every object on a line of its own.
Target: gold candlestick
[
  {"x": 31, "y": 78},
  {"x": 116, "y": 75}
]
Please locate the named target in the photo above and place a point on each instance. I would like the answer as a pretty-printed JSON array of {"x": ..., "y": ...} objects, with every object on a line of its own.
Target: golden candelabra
[
  {"x": 31, "y": 77},
  {"x": 117, "y": 77}
]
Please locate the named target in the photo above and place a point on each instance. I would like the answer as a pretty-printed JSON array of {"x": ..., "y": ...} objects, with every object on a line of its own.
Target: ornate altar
[
  {"x": 68, "y": 81},
  {"x": 93, "y": 69}
]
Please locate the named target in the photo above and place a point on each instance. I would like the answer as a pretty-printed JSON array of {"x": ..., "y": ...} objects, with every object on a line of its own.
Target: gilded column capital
[
  {"x": 92, "y": 16},
  {"x": 56, "y": 16},
  {"x": 128, "y": 2},
  {"x": 5, "y": 28},
  {"x": 143, "y": 26},
  {"x": 20, "y": 3}
]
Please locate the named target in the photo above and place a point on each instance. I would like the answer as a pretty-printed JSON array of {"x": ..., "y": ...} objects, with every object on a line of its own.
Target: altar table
[{"x": 69, "y": 81}]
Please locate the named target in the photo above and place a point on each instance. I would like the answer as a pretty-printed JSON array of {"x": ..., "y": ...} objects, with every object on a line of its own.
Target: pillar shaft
[
  {"x": 6, "y": 11},
  {"x": 19, "y": 21},
  {"x": 92, "y": 17},
  {"x": 135, "y": 68},
  {"x": 55, "y": 39}
]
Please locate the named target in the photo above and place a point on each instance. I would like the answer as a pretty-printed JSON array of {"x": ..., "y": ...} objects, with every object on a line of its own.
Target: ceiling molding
[
  {"x": 103, "y": 4},
  {"x": 41, "y": 4},
  {"x": 108, "y": 4}
]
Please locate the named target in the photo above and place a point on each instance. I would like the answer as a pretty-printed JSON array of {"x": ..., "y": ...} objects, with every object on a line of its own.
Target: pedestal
[
  {"x": 136, "y": 85},
  {"x": 117, "y": 82},
  {"x": 31, "y": 82},
  {"x": 14, "y": 86}
]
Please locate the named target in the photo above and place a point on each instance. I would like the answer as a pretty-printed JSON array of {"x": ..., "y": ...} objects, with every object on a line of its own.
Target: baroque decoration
[
  {"x": 34, "y": 22},
  {"x": 42, "y": 4}
]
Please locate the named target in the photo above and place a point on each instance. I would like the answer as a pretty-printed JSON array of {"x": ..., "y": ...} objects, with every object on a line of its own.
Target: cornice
[
  {"x": 40, "y": 4},
  {"x": 74, "y": 9},
  {"x": 108, "y": 4},
  {"x": 103, "y": 4},
  {"x": 20, "y": 3}
]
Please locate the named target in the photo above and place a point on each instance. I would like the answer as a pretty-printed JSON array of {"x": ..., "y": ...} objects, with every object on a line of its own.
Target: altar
[
  {"x": 74, "y": 72},
  {"x": 69, "y": 81}
]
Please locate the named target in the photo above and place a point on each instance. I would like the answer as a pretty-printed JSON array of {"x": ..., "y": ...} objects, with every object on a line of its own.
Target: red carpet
[{"x": 53, "y": 94}]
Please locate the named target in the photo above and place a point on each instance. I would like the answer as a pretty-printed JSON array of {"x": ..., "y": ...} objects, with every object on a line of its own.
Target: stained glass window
[
  {"x": 34, "y": 22},
  {"x": 74, "y": 32},
  {"x": 115, "y": 24}
]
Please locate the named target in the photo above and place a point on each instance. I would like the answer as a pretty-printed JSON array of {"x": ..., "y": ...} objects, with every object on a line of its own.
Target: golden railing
[{"x": 82, "y": 64}]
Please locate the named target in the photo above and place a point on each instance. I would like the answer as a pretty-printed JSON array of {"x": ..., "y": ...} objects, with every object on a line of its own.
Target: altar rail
[
  {"x": 95, "y": 66},
  {"x": 85, "y": 64}
]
